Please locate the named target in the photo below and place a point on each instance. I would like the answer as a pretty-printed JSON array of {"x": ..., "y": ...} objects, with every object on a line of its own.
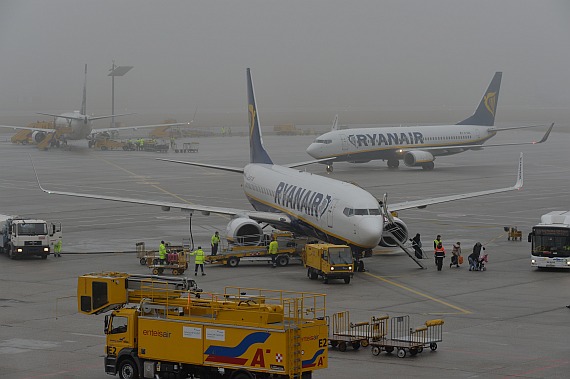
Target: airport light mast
[{"x": 116, "y": 71}]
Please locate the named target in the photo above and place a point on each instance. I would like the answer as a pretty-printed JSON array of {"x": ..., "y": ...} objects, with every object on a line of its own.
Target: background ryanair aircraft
[
  {"x": 305, "y": 203},
  {"x": 419, "y": 145}
]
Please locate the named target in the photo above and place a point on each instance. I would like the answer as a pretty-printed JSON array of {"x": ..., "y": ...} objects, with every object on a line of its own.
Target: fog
[{"x": 370, "y": 61}]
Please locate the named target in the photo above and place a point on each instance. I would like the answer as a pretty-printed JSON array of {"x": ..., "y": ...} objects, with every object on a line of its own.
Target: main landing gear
[
  {"x": 428, "y": 166},
  {"x": 393, "y": 163},
  {"x": 329, "y": 168}
]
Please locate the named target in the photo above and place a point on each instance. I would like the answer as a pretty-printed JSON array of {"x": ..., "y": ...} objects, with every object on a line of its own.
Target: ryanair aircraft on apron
[
  {"x": 417, "y": 146},
  {"x": 305, "y": 203}
]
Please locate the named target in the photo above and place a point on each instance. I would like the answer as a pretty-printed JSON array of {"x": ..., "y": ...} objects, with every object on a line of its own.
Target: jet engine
[
  {"x": 397, "y": 229},
  {"x": 38, "y": 136},
  {"x": 244, "y": 231},
  {"x": 417, "y": 158}
]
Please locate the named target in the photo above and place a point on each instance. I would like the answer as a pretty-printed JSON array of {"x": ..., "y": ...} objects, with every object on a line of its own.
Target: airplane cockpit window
[
  {"x": 374, "y": 212},
  {"x": 361, "y": 212},
  {"x": 324, "y": 141},
  {"x": 348, "y": 212}
]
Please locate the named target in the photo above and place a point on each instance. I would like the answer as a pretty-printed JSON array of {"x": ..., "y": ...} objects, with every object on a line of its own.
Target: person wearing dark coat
[{"x": 474, "y": 257}]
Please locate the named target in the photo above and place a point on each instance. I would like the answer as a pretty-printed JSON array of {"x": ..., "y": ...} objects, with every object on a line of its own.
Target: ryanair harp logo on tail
[
  {"x": 491, "y": 102},
  {"x": 251, "y": 119}
]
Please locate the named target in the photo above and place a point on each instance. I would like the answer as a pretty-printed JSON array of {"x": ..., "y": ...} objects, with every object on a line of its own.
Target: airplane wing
[
  {"x": 268, "y": 217},
  {"x": 103, "y": 130},
  {"x": 299, "y": 164},
  {"x": 480, "y": 147},
  {"x": 109, "y": 116},
  {"x": 61, "y": 116},
  {"x": 444, "y": 199},
  {"x": 28, "y": 128}
]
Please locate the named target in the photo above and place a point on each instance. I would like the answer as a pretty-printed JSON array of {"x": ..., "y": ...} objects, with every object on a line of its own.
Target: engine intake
[
  {"x": 244, "y": 231},
  {"x": 38, "y": 136},
  {"x": 416, "y": 158},
  {"x": 396, "y": 230}
]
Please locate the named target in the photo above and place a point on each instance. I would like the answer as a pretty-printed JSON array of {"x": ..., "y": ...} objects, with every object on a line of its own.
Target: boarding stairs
[{"x": 398, "y": 235}]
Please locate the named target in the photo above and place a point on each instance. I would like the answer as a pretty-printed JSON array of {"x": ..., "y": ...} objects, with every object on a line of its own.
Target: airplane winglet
[
  {"x": 37, "y": 178},
  {"x": 519, "y": 183},
  {"x": 335, "y": 123},
  {"x": 545, "y": 137}
]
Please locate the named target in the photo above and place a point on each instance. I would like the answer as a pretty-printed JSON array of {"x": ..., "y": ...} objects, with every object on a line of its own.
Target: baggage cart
[
  {"x": 407, "y": 340},
  {"x": 175, "y": 261},
  {"x": 513, "y": 233},
  {"x": 342, "y": 332}
]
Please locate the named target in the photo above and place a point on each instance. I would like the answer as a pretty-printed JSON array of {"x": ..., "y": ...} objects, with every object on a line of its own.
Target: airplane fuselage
[
  {"x": 79, "y": 128},
  {"x": 365, "y": 144},
  {"x": 321, "y": 207}
]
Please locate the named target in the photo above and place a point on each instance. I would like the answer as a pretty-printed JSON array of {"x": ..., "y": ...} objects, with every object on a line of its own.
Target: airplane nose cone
[
  {"x": 370, "y": 231},
  {"x": 313, "y": 150}
]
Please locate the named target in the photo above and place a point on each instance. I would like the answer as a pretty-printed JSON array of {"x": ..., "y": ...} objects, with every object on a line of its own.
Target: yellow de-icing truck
[{"x": 167, "y": 328}]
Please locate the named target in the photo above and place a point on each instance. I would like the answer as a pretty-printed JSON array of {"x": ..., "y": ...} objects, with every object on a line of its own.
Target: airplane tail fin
[
  {"x": 335, "y": 123},
  {"x": 84, "y": 102},
  {"x": 485, "y": 113},
  {"x": 257, "y": 151}
]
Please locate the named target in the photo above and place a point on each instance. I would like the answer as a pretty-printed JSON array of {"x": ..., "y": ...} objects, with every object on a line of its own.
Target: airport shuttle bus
[{"x": 550, "y": 241}]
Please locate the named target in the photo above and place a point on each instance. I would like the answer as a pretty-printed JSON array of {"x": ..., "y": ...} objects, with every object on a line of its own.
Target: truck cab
[
  {"x": 26, "y": 237},
  {"x": 329, "y": 262}
]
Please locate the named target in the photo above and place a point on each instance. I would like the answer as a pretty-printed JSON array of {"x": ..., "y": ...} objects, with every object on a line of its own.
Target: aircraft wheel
[
  {"x": 393, "y": 163},
  {"x": 329, "y": 168},
  {"x": 428, "y": 166}
]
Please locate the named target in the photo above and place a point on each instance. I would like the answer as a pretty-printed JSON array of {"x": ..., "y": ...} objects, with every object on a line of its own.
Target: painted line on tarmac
[{"x": 461, "y": 310}]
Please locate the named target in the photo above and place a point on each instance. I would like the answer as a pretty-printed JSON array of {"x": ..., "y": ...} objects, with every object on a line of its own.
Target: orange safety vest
[{"x": 439, "y": 252}]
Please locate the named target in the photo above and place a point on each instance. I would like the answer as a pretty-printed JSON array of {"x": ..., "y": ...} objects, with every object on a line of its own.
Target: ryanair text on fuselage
[
  {"x": 294, "y": 197},
  {"x": 387, "y": 139}
]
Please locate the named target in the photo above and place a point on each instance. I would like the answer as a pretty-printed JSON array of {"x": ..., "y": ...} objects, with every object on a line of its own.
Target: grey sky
[{"x": 317, "y": 57}]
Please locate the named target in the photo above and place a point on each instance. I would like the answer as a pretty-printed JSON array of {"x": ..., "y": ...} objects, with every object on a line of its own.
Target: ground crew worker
[
  {"x": 417, "y": 245},
  {"x": 215, "y": 242},
  {"x": 199, "y": 260},
  {"x": 162, "y": 253},
  {"x": 439, "y": 255},
  {"x": 437, "y": 241},
  {"x": 455, "y": 254},
  {"x": 57, "y": 248},
  {"x": 273, "y": 251}
]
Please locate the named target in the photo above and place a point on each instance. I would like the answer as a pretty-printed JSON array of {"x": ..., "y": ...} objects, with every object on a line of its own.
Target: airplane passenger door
[
  {"x": 330, "y": 213},
  {"x": 344, "y": 142}
]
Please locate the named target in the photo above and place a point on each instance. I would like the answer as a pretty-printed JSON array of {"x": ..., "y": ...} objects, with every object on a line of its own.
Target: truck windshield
[
  {"x": 340, "y": 255},
  {"x": 548, "y": 240},
  {"x": 32, "y": 229}
]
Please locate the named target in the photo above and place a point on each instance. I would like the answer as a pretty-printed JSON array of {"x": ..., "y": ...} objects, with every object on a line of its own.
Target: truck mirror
[
  {"x": 530, "y": 237},
  {"x": 106, "y": 324}
]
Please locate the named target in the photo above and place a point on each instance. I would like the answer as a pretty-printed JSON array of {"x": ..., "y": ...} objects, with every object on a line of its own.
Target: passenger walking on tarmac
[
  {"x": 439, "y": 255},
  {"x": 162, "y": 253},
  {"x": 437, "y": 241},
  {"x": 417, "y": 245},
  {"x": 57, "y": 249},
  {"x": 455, "y": 254},
  {"x": 474, "y": 256},
  {"x": 199, "y": 260},
  {"x": 273, "y": 251},
  {"x": 215, "y": 243}
]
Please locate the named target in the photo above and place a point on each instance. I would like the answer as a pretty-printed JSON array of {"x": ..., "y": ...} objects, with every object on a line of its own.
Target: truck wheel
[
  {"x": 233, "y": 261},
  {"x": 128, "y": 369},
  {"x": 282, "y": 260},
  {"x": 44, "y": 256},
  {"x": 347, "y": 280},
  {"x": 242, "y": 374}
]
